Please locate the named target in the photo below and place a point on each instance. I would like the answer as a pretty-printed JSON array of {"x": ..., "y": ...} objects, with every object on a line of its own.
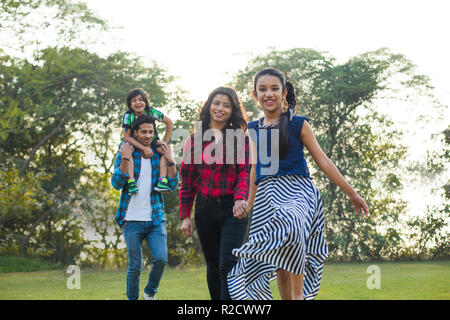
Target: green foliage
[
  {"x": 183, "y": 251},
  {"x": 20, "y": 198},
  {"x": 61, "y": 240},
  {"x": 69, "y": 103},
  {"x": 99, "y": 257},
  {"x": 18, "y": 264},
  {"x": 60, "y": 115},
  {"x": 430, "y": 236}
]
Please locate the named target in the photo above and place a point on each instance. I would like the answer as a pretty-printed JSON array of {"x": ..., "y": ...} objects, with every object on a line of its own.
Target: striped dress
[{"x": 287, "y": 231}]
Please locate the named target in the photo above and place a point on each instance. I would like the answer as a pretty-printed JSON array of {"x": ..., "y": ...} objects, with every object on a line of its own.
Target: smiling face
[
  {"x": 144, "y": 134},
  {"x": 269, "y": 93},
  {"x": 221, "y": 109},
  {"x": 138, "y": 105}
]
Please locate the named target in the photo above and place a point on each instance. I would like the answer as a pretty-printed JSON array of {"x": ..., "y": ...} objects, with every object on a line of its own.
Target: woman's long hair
[
  {"x": 286, "y": 116},
  {"x": 238, "y": 118}
]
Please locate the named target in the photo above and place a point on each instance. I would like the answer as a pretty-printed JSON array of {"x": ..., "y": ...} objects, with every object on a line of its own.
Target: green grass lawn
[{"x": 400, "y": 280}]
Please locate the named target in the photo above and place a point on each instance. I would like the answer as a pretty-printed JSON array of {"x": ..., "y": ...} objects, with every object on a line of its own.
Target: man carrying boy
[
  {"x": 139, "y": 104},
  {"x": 141, "y": 215}
]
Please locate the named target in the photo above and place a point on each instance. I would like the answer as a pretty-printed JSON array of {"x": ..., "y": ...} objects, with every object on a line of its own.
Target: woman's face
[
  {"x": 221, "y": 109},
  {"x": 269, "y": 93}
]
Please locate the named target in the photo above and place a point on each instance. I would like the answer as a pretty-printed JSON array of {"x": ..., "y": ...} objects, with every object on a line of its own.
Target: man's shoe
[{"x": 149, "y": 297}]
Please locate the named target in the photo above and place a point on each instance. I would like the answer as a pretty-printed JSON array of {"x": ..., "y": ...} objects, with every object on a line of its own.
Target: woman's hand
[
  {"x": 241, "y": 209},
  {"x": 187, "y": 227},
  {"x": 360, "y": 205}
]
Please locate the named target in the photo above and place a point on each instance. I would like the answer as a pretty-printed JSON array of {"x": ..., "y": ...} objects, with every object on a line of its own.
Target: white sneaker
[{"x": 149, "y": 297}]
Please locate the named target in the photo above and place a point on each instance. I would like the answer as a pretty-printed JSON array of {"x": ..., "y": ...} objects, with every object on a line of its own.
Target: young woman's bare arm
[{"x": 328, "y": 167}]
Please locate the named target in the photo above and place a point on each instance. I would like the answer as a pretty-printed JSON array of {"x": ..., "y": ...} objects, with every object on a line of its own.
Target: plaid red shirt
[{"x": 215, "y": 179}]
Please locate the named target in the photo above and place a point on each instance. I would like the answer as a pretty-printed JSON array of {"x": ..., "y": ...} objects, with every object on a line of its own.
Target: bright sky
[
  {"x": 200, "y": 41},
  {"x": 204, "y": 42}
]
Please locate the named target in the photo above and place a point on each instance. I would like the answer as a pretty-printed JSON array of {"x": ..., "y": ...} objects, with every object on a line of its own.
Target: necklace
[
  {"x": 270, "y": 123},
  {"x": 267, "y": 125}
]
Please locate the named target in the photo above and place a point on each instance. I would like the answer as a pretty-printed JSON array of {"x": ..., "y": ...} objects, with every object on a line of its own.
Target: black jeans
[{"x": 219, "y": 232}]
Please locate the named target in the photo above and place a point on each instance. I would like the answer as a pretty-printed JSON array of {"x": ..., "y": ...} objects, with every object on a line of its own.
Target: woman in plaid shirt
[{"x": 215, "y": 173}]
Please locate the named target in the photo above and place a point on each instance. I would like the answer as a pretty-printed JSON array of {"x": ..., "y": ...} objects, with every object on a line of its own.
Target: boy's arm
[
  {"x": 128, "y": 138},
  {"x": 169, "y": 128},
  {"x": 145, "y": 150}
]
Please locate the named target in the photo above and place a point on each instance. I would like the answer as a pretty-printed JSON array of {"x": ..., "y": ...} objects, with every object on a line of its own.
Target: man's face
[{"x": 145, "y": 134}]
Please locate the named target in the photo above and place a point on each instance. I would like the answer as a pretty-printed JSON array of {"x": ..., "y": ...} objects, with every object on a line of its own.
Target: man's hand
[
  {"x": 187, "y": 227},
  {"x": 126, "y": 150},
  {"x": 166, "y": 151},
  {"x": 161, "y": 143}
]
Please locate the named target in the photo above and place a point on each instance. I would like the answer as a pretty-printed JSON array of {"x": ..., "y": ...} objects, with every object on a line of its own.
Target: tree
[
  {"x": 62, "y": 105},
  {"x": 340, "y": 101},
  {"x": 430, "y": 237},
  {"x": 70, "y": 101}
]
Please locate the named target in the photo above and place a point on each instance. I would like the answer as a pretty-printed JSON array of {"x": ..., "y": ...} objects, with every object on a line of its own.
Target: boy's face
[
  {"x": 138, "y": 105},
  {"x": 145, "y": 134}
]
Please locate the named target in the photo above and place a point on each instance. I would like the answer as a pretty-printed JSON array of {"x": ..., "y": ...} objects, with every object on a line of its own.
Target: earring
[{"x": 284, "y": 104}]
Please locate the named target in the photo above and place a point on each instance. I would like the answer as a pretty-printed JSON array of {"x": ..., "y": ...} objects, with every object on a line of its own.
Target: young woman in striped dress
[{"x": 286, "y": 238}]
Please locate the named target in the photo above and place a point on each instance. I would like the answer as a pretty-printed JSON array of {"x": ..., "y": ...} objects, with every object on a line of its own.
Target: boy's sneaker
[
  {"x": 163, "y": 185},
  {"x": 132, "y": 187},
  {"x": 149, "y": 297}
]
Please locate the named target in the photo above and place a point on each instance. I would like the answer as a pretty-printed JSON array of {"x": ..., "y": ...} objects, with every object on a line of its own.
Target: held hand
[
  {"x": 360, "y": 205},
  {"x": 126, "y": 150},
  {"x": 187, "y": 228},
  {"x": 240, "y": 209}
]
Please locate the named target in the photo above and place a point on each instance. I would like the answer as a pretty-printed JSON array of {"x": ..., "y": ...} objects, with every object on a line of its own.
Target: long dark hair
[
  {"x": 286, "y": 116},
  {"x": 238, "y": 118}
]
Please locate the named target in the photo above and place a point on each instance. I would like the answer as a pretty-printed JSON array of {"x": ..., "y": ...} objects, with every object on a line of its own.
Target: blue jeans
[{"x": 135, "y": 232}]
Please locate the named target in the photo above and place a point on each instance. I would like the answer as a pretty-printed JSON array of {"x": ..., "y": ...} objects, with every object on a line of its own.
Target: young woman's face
[
  {"x": 269, "y": 93},
  {"x": 221, "y": 108},
  {"x": 138, "y": 105}
]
